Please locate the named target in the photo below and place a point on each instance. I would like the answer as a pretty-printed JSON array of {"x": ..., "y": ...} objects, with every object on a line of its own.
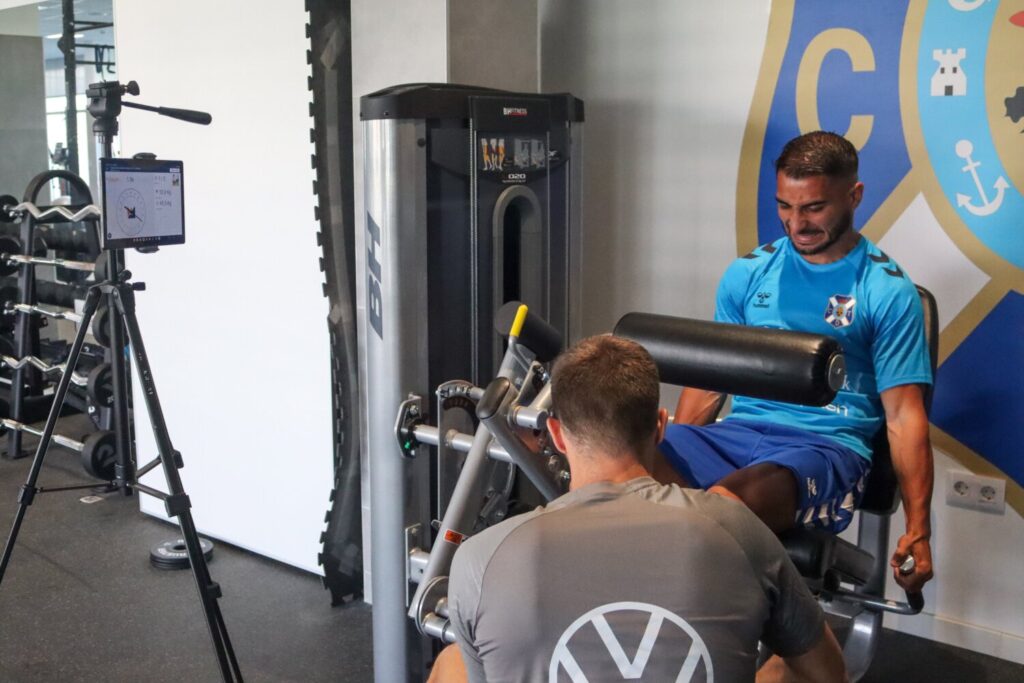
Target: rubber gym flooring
[{"x": 80, "y": 602}]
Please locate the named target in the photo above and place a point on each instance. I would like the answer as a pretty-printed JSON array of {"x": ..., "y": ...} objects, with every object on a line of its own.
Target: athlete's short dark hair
[
  {"x": 818, "y": 153},
  {"x": 605, "y": 391}
]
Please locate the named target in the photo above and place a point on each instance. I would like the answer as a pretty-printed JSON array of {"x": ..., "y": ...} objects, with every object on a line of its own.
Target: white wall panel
[{"x": 234, "y": 321}]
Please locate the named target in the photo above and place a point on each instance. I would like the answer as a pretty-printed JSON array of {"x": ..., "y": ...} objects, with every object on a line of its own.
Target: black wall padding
[
  {"x": 330, "y": 83},
  {"x": 779, "y": 365}
]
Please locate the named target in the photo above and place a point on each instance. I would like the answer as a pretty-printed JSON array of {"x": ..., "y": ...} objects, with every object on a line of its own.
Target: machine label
[
  {"x": 454, "y": 537},
  {"x": 374, "y": 306}
]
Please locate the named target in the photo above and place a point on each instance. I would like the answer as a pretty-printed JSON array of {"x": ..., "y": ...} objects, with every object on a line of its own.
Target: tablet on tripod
[{"x": 143, "y": 203}]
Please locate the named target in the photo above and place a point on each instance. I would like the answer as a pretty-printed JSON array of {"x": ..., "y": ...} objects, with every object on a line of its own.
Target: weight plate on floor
[
  {"x": 99, "y": 454},
  {"x": 174, "y": 554},
  {"x": 101, "y": 385}
]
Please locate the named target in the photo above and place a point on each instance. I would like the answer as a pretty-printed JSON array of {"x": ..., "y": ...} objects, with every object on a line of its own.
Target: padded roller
[
  {"x": 778, "y": 365},
  {"x": 536, "y": 334}
]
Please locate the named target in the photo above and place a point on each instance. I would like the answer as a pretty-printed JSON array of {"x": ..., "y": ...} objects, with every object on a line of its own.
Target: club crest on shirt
[{"x": 839, "y": 312}]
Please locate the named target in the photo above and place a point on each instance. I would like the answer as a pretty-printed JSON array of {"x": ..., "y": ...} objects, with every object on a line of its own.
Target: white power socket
[{"x": 967, "y": 490}]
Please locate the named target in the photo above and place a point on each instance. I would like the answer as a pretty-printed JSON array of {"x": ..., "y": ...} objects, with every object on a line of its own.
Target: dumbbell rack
[{"x": 60, "y": 224}]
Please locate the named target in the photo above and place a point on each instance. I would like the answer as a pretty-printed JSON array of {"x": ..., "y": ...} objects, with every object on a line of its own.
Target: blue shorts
[{"x": 830, "y": 476}]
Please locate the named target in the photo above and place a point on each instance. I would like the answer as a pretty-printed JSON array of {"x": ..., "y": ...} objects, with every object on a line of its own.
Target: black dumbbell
[
  {"x": 101, "y": 385},
  {"x": 101, "y": 326},
  {"x": 9, "y": 244},
  {"x": 98, "y": 450}
]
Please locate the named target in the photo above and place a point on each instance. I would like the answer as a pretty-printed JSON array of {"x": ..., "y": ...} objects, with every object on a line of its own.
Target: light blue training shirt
[{"x": 864, "y": 300}]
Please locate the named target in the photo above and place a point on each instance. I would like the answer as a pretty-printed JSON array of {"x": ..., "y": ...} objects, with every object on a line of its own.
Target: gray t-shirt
[{"x": 633, "y": 581}]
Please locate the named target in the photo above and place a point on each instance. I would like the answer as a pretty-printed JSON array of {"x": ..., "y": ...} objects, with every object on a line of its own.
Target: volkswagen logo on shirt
[{"x": 591, "y": 644}]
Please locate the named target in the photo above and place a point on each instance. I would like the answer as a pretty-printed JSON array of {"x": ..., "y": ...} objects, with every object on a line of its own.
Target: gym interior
[{"x": 397, "y": 214}]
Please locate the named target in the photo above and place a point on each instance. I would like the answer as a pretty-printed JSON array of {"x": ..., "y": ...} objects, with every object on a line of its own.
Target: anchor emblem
[
  {"x": 964, "y": 149},
  {"x": 966, "y": 5}
]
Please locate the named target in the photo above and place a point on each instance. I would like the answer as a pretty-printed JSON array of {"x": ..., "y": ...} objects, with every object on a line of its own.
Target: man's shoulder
[
  {"x": 763, "y": 252},
  {"x": 756, "y": 261},
  {"x": 882, "y": 272}
]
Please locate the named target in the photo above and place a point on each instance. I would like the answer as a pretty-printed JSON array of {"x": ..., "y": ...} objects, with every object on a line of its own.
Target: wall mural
[{"x": 932, "y": 95}]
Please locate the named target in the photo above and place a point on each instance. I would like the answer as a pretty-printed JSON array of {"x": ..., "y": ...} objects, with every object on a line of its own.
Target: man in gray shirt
[{"x": 623, "y": 578}]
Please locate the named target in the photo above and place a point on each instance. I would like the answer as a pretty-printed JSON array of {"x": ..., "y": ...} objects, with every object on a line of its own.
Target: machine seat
[{"x": 816, "y": 553}]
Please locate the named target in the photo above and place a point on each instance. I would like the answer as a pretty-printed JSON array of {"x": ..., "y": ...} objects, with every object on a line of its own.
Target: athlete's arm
[
  {"x": 449, "y": 667},
  {"x": 697, "y": 406},
  {"x": 907, "y": 424},
  {"x": 823, "y": 663}
]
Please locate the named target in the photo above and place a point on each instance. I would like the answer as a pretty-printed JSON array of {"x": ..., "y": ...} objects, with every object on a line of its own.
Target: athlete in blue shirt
[{"x": 805, "y": 465}]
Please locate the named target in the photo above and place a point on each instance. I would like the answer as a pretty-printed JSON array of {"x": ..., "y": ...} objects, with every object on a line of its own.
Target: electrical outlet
[{"x": 967, "y": 490}]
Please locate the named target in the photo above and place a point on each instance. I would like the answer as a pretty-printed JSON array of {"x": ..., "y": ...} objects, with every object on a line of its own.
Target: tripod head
[{"x": 105, "y": 105}]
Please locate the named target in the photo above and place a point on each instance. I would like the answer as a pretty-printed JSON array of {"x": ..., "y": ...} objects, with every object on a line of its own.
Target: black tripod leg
[
  {"x": 124, "y": 467},
  {"x": 177, "y": 502},
  {"x": 28, "y": 491}
]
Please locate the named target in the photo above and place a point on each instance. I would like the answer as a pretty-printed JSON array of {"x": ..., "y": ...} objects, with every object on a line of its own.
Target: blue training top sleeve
[
  {"x": 732, "y": 291},
  {"x": 899, "y": 350}
]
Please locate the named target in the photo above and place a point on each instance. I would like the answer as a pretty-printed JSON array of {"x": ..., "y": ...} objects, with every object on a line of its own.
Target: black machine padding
[
  {"x": 778, "y": 365},
  {"x": 537, "y": 335},
  {"x": 815, "y": 552}
]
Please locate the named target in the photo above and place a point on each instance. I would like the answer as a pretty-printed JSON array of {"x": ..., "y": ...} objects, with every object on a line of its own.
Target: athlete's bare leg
[{"x": 769, "y": 490}]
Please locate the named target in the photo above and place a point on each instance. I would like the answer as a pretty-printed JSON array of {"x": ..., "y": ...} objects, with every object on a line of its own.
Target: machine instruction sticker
[{"x": 514, "y": 158}]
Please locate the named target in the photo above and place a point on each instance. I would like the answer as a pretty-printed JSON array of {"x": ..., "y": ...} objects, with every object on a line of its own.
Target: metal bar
[
  {"x": 59, "y": 489},
  {"x": 438, "y": 627},
  {"x": 70, "y": 84},
  {"x": 38, "y": 310},
  {"x": 523, "y": 457},
  {"x": 83, "y": 25},
  {"x": 65, "y": 441},
  {"x": 872, "y": 601},
  {"x": 44, "y": 367},
  {"x": 53, "y": 214},
  {"x": 43, "y": 261},
  {"x": 457, "y": 441},
  {"x": 150, "y": 491},
  {"x": 145, "y": 469}
]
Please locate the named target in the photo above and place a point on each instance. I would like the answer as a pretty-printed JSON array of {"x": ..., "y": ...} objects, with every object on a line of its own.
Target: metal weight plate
[
  {"x": 99, "y": 454},
  {"x": 9, "y": 245},
  {"x": 174, "y": 554},
  {"x": 101, "y": 326},
  {"x": 7, "y": 202},
  {"x": 102, "y": 271},
  {"x": 101, "y": 385},
  {"x": 8, "y": 294}
]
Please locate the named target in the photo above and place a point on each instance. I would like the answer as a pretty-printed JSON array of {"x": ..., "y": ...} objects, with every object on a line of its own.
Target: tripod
[{"x": 120, "y": 293}]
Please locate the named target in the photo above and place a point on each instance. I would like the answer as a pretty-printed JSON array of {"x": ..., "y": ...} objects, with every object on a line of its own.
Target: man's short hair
[
  {"x": 605, "y": 391},
  {"x": 818, "y": 153}
]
